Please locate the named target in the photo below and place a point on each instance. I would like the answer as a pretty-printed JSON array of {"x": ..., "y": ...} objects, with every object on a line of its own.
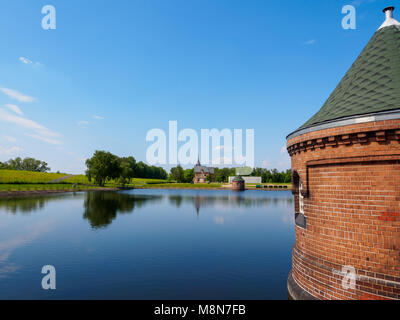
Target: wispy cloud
[
  {"x": 44, "y": 139},
  {"x": 97, "y": 117},
  {"x": 14, "y": 94},
  {"x": 26, "y": 236},
  {"x": 222, "y": 147},
  {"x": 222, "y": 161},
  {"x": 9, "y": 138},
  {"x": 265, "y": 164},
  {"x": 25, "y": 60},
  {"x": 14, "y": 108},
  {"x": 284, "y": 162},
  {"x": 360, "y": 2},
  {"x": 309, "y": 42},
  {"x": 83, "y": 123},
  {"x": 26, "y": 123},
  {"x": 12, "y": 150}
]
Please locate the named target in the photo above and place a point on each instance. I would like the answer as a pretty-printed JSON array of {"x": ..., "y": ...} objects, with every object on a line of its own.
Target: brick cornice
[{"x": 346, "y": 139}]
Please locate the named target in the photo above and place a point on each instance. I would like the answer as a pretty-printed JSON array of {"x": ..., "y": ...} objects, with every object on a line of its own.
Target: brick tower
[{"x": 346, "y": 182}]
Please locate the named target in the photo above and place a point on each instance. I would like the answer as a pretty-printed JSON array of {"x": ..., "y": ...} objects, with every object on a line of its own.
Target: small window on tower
[
  {"x": 301, "y": 220},
  {"x": 301, "y": 198}
]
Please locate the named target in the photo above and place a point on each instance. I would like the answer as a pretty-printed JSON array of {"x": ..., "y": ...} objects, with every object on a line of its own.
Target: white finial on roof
[{"x": 390, "y": 21}]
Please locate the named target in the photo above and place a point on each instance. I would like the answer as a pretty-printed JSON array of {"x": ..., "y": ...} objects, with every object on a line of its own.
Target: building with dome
[{"x": 346, "y": 182}]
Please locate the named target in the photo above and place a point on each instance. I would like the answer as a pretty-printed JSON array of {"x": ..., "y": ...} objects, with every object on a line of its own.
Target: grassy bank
[
  {"x": 14, "y": 181},
  {"x": 181, "y": 186},
  {"x": 43, "y": 187},
  {"x": 21, "y": 177},
  {"x": 24, "y": 181},
  {"x": 28, "y": 177}
]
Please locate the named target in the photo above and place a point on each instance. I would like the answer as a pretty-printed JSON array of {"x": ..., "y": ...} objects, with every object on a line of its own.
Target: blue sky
[{"x": 113, "y": 70}]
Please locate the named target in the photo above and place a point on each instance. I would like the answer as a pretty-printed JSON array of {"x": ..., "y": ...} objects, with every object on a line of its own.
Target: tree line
[
  {"x": 27, "y": 164},
  {"x": 273, "y": 176},
  {"x": 105, "y": 166},
  {"x": 222, "y": 175}
]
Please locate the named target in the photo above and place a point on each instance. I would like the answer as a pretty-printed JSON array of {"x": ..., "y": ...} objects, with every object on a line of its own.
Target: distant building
[
  {"x": 203, "y": 174},
  {"x": 238, "y": 184},
  {"x": 248, "y": 180}
]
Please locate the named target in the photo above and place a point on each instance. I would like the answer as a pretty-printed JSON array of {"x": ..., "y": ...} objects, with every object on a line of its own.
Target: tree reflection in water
[
  {"x": 228, "y": 201},
  {"x": 101, "y": 208},
  {"x": 27, "y": 205}
]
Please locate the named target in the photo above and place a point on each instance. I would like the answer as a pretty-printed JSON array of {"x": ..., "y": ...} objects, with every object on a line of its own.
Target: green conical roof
[
  {"x": 238, "y": 179},
  {"x": 371, "y": 85}
]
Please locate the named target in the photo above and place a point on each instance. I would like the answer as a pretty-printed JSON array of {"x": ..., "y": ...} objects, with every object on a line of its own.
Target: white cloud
[
  {"x": 310, "y": 42},
  {"x": 97, "y": 117},
  {"x": 9, "y": 138},
  {"x": 25, "y": 60},
  {"x": 284, "y": 163},
  {"x": 222, "y": 161},
  {"x": 26, "y": 123},
  {"x": 12, "y": 150},
  {"x": 83, "y": 123},
  {"x": 44, "y": 139},
  {"x": 284, "y": 150},
  {"x": 219, "y": 220},
  {"x": 265, "y": 164},
  {"x": 14, "y": 94},
  {"x": 360, "y": 2},
  {"x": 14, "y": 108}
]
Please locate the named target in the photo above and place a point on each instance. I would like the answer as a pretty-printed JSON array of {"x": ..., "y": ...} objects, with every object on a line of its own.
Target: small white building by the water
[{"x": 249, "y": 180}]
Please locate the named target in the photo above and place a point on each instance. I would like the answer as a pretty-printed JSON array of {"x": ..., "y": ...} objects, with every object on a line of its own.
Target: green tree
[
  {"x": 188, "y": 175},
  {"x": 222, "y": 175},
  {"x": 27, "y": 164},
  {"x": 177, "y": 174},
  {"x": 30, "y": 164},
  {"x": 103, "y": 166},
  {"x": 128, "y": 166}
]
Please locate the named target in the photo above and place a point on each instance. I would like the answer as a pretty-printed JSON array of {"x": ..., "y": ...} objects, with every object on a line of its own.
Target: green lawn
[
  {"x": 12, "y": 180},
  {"x": 184, "y": 186},
  {"x": 28, "y": 177},
  {"x": 41, "y": 187},
  {"x": 77, "y": 179},
  {"x": 14, "y": 176}
]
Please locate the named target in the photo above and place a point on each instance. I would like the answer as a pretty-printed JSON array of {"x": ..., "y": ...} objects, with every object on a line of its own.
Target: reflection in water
[
  {"x": 227, "y": 202},
  {"x": 23, "y": 205},
  {"x": 26, "y": 236},
  {"x": 239, "y": 247},
  {"x": 101, "y": 208}
]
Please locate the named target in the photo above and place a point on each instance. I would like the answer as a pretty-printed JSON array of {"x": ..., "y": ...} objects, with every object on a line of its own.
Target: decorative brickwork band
[{"x": 380, "y": 136}]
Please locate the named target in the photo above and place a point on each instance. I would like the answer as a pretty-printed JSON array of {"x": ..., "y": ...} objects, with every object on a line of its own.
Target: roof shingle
[{"x": 372, "y": 84}]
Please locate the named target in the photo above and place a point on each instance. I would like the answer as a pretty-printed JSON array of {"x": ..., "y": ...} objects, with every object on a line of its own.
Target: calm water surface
[{"x": 148, "y": 244}]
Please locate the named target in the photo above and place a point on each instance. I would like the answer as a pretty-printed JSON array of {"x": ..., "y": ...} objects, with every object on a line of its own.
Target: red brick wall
[{"x": 352, "y": 205}]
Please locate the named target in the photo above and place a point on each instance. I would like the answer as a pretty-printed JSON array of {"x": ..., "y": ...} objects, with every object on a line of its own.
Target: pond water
[{"x": 148, "y": 244}]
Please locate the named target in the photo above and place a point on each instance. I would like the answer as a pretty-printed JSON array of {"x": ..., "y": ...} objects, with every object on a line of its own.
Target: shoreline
[
  {"x": 204, "y": 188},
  {"x": 27, "y": 193}
]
